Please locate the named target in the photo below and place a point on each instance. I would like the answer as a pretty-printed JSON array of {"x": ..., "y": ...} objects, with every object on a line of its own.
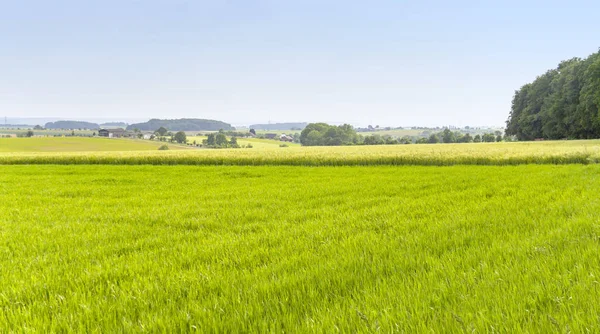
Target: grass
[
  {"x": 75, "y": 144},
  {"x": 298, "y": 249},
  {"x": 555, "y": 152}
]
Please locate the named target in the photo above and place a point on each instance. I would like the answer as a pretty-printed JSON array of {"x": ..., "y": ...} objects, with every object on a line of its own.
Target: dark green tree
[
  {"x": 448, "y": 136},
  {"x": 562, "y": 103},
  {"x": 488, "y": 138},
  {"x": 467, "y": 138},
  {"x": 433, "y": 139},
  {"x": 162, "y": 131},
  {"x": 373, "y": 140},
  {"x": 406, "y": 140},
  {"x": 180, "y": 137},
  {"x": 211, "y": 140},
  {"x": 221, "y": 140}
]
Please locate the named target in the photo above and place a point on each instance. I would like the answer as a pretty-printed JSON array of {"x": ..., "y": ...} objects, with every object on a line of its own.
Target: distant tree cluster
[
  {"x": 449, "y": 136},
  {"x": 384, "y": 140},
  {"x": 27, "y": 134},
  {"x": 162, "y": 134},
  {"x": 219, "y": 140},
  {"x": 563, "y": 103},
  {"x": 322, "y": 134},
  {"x": 214, "y": 140}
]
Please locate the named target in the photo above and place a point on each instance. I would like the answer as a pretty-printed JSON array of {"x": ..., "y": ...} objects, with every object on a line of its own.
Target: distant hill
[
  {"x": 279, "y": 126},
  {"x": 14, "y": 126},
  {"x": 71, "y": 125},
  {"x": 183, "y": 124},
  {"x": 30, "y": 121},
  {"x": 114, "y": 125}
]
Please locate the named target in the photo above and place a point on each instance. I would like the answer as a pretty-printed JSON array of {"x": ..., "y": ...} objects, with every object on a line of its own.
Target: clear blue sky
[{"x": 362, "y": 62}]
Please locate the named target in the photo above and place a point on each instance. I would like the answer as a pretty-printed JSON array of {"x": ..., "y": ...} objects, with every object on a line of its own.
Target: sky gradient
[{"x": 391, "y": 63}]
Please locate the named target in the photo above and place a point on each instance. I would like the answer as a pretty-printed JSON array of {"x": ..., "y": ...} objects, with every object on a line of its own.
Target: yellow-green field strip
[{"x": 558, "y": 152}]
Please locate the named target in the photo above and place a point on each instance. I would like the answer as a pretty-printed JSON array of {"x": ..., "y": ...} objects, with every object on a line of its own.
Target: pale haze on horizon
[{"x": 393, "y": 63}]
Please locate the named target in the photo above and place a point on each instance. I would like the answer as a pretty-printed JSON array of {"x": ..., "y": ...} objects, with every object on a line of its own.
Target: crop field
[
  {"x": 255, "y": 142},
  {"x": 75, "y": 144},
  {"x": 549, "y": 152},
  {"x": 259, "y": 143},
  {"x": 295, "y": 249}
]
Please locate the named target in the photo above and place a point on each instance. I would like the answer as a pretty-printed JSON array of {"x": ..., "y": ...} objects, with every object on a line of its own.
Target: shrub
[{"x": 163, "y": 148}]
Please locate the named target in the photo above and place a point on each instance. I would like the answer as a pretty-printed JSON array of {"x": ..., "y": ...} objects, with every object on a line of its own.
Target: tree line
[
  {"x": 449, "y": 136},
  {"x": 563, "y": 103},
  {"x": 322, "y": 134}
]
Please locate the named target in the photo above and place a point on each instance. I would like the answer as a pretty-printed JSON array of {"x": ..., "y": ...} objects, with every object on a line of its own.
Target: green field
[
  {"x": 295, "y": 249},
  {"x": 91, "y": 243},
  {"x": 549, "y": 152},
  {"x": 76, "y": 144}
]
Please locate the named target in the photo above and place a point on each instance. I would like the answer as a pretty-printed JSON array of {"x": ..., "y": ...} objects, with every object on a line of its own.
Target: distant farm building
[
  {"x": 112, "y": 133},
  {"x": 271, "y": 135},
  {"x": 286, "y": 138}
]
